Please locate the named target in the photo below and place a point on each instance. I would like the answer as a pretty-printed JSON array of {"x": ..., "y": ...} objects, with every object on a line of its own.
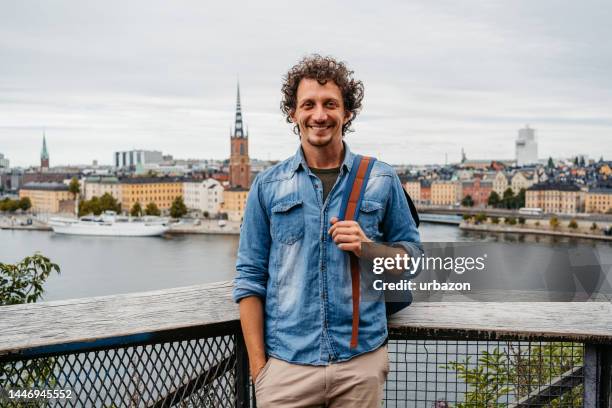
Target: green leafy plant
[
  {"x": 178, "y": 208},
  {"x": 516, "y": 371},
  {"x": 573, "y": 224},
  {"x": 22, "y": 282}
]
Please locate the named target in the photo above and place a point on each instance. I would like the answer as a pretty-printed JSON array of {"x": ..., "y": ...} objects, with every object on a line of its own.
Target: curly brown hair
[{"x": 322, "y": 69}]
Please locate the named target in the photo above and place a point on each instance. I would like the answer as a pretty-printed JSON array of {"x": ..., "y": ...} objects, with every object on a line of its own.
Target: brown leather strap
[{"x": 351, "y": 214}]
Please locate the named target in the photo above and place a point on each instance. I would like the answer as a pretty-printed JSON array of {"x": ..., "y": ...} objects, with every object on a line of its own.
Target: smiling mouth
[{"x": 320, "y": 126}]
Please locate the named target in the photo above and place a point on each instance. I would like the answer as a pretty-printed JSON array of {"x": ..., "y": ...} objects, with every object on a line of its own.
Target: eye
[{"x": 331, "y": 104}]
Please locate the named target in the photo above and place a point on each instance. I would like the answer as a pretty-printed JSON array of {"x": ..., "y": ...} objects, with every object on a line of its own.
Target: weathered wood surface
[
  {"x": 84, "y": 320},
  {"x": 571, "y": 321},
  {"x": 89, "y": 319}
]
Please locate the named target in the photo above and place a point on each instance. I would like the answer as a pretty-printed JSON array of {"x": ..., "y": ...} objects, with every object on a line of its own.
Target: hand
[
  {"x": 256, "y": 369},
  {"x": 348, "y": 235}
]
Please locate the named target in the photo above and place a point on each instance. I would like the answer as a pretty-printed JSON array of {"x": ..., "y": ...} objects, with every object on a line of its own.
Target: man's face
[{"x": 320, "y": 112}]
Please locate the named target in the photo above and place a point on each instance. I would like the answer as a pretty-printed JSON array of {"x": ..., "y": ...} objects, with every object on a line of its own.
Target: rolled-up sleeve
[
  {"x": 399, "y": 227},
  {"x": 253, "y": 249}
]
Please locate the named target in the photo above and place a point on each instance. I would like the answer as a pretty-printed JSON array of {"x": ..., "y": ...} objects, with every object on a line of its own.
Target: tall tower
[
  {"x": 526, "y": 147},
  {"x": 240, "y": 167},
  {"x": 44, "y": 155}
]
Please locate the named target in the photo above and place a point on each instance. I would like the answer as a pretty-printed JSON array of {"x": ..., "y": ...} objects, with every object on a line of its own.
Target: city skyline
[{"x": 438, "y": 77}]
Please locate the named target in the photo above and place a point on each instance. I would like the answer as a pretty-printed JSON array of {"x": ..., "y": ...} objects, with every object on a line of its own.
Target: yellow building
[
  {"x": 445, "y": 192},
  {"x": 159, "y": 190},
  {"x": 413, "y": 188},
  {"x": 47, "y": 197},
  {"x": 234, "y": 203},
  {"x": 598, "y": 200},
  {"x": 554, "y": 198},
  {"x": 100, "y": 185}
]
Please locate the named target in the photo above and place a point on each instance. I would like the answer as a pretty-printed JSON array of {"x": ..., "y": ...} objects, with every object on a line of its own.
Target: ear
[
  {"x": 292, "y": 115},
  {"x": 347, "y": 116}
]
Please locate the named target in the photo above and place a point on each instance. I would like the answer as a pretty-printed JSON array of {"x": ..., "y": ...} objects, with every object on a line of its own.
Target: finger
[
  {"x": 352, "y": 247},
  {"x": 345, "y": 231},
  {"x": 333, "y": 220},
  {"x": 346, "y": 239}
]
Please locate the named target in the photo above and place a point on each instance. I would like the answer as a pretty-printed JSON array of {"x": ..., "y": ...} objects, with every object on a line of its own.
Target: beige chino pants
[{"x": 354, "y": 383}]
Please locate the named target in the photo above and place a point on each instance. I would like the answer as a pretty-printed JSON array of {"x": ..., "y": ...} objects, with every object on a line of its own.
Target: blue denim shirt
[{"x": 287, "y": 258}]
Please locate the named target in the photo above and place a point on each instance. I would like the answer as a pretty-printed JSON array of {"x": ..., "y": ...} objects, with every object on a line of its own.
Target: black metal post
[
  {"x": 242, "y": 373},
  {"x": 597, "y": 372}
]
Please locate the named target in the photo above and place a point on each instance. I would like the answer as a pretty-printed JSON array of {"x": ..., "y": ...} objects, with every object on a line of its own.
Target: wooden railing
[{"x": 184, "y": 346}]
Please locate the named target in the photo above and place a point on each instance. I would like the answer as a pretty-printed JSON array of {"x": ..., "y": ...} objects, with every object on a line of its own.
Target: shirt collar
[{"x": 299, "y": 159}]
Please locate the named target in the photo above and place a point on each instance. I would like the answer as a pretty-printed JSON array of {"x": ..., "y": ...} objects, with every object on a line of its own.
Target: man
[{"x": 294, "y": 279}]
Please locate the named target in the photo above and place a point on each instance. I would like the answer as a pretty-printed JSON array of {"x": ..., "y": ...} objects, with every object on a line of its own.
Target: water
[{"x": 97, "y": 266}]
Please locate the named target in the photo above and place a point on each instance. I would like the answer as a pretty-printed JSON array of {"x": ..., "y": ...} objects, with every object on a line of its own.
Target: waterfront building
[
  {"x": 234, "y": 202},
  {"x": 425, "y": 192},
  {"x": 48, "y": 197},
  {"x": 599, "y": 200},
  {"x": 526, "y": 147},
  {"x": 500, "y": 183},
  {"x": 478, "y": 189},
  {"x": 446, "y": 192},
  {"x": 413, "y": 188},
  {"x": 203, "y": 195},
  {"x": 159, "y": 190},
  {"x": 522, "y": 180},
  {"x": 239, "y": 165},
  {"x": 129, "y": 159},
  {"x": 44, "y": 155},
  {"x": 97, "y": 186},
  {"x": 556, "y": 198},
  {"x": 4, "y": 163}
]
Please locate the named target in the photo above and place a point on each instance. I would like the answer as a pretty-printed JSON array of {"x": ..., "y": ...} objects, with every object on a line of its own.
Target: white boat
[{"x": 110, "y": 224}]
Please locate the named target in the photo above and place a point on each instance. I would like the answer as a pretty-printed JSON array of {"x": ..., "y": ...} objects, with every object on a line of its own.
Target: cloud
[{"x": 439, "y": 76}]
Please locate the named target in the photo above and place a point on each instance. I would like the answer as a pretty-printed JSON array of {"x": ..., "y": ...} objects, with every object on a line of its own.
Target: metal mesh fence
[
  {"x": 483, "y": 374},
  {"x": 190, "y": 373},
  {"x": 203, "y": 373}
]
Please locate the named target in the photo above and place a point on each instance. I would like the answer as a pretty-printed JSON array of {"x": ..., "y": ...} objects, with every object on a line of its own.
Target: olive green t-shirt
[{"x": 328, "y": 177}]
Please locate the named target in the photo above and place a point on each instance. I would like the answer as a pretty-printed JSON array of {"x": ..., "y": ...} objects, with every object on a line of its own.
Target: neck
[{"x": 326, "y": 157}]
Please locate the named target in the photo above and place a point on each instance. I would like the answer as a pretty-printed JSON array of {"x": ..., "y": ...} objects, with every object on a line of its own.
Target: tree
[
  {"x": 480, "y": 217},
  {"x": 554, "y": 222},
  {"x": 493, "y": 200},
  {"x": 582, "y": 163},
  {"x": 594, "y": 226},
  {"x": 136, "y": 210},
  {"x": 551, "y": 163},
  {"x": 573, "y": 224},
  {"x": 508, "y": 199},
  {"x": 521, "y": 220},
  {"x": 74, "y": 187},
  {"x": 520, "y": 199},
  {"x": 495, "y": 220},
  {"x": 109, "y": 203},
  {"x": 25, "y": 204},
  {"x": 510, "y": 220},
  {"x": 178, "y": 208},
  {"x": 22, "y": 282},
  {"x": 206, "y": 214},
  {"x": 152, "y": 209},
  {"x": 90, "y": 207},
  {"x": 576, "y": 161},
  {"x": 467, "y": 201}
]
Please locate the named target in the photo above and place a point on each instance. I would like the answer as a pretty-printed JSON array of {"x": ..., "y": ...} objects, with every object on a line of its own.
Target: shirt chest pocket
[
  {"x": 288, "y": 221},
  {"x": 370, "y": 217}
]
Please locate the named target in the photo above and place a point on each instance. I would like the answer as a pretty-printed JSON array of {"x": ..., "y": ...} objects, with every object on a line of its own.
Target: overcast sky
[{"x": 101, "y": 76}]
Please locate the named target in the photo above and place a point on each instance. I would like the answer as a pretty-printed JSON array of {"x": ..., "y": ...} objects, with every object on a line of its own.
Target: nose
[{"x": 319, "y": 115}]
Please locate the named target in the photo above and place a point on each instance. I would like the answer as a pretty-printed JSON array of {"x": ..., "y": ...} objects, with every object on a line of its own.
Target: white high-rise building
[
  {"x": 526, "y": 147},
  {"x": 133, "y": 158},
  {"x": 4, "y": 163}
]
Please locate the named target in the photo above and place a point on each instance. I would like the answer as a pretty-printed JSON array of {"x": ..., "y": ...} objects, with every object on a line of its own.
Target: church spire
[
  {"x": 238, "y": 125},
  {"x": 44, "y": 154}
]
